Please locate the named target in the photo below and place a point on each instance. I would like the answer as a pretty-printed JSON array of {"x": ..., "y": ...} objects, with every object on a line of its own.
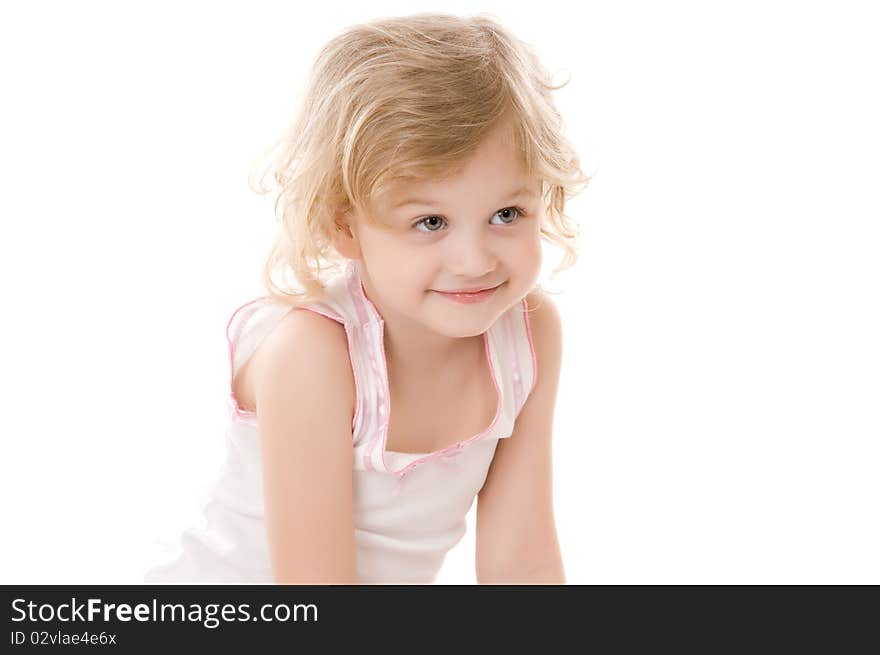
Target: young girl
[{"x": 423, "y": 169}]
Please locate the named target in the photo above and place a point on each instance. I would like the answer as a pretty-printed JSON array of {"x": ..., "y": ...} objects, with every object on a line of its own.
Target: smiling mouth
[
  {"x": 470, "y": 297},
  {"x": 469, "y": 291}
]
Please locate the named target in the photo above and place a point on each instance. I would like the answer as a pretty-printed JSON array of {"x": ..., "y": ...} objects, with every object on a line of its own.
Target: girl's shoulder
[
  {"x": 301, "y": 343},
  {"x": 543, "y": 321},
  {"x": 268, "y": 328}
]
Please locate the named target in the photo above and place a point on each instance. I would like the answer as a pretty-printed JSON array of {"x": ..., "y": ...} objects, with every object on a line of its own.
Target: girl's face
[{"x": 478, "y": 229}]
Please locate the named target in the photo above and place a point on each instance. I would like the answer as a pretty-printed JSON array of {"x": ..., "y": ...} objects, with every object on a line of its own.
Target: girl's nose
[{"x": 472, "y": 258}]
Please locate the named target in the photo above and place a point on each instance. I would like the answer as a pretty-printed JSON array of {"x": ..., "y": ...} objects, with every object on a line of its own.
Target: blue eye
[
  {"x": 435, "y": 223},
  {"x": 519, "y": 214},
  {"x": 432, "y": 221}
]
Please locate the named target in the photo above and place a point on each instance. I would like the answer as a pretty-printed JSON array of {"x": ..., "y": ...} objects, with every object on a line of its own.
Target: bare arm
[
  {"x": 305, "y": 397},
  {"x": 516, "y": 532}
]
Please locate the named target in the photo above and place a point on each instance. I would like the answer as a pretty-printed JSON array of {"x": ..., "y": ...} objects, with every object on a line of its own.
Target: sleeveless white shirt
[{"x": 410, "y": 509}]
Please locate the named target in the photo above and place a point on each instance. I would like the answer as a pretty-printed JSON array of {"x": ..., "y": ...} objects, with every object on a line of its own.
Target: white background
[{"x": 717, "y": 420}]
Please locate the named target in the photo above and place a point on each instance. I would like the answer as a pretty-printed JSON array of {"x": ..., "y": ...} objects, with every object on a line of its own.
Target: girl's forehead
[
  {"x": 428, "y": 186},
  {"x": 431, "y": 190},
  {"x": 395, "y": 192}
]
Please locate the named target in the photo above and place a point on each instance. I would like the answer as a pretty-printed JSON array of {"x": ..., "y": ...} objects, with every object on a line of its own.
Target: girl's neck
[{"x": 412, "y": 352}]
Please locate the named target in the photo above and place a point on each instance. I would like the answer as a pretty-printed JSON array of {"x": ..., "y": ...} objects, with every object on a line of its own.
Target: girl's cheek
[{"x": 530, "y": 249}]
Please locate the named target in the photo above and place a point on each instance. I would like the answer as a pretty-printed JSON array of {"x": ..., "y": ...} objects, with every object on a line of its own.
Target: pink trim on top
[
  {"x": 238, "y": 412},
  {"x": 385, "y": 397},
  {"x": 363, "y": 307},
  {"x": 531, "y": 345},
  {"x": 358, "y": 295},
  {"x": 518, "y": 396}
]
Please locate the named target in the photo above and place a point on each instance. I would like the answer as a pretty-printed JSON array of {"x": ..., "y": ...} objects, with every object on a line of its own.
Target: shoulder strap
[
  {"x": 248, "y": 326},
  {"x": 513, "y": 340}
]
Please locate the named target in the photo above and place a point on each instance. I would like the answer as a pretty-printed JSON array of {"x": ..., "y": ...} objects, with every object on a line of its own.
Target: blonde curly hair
[{"x": 408, "y": 98}]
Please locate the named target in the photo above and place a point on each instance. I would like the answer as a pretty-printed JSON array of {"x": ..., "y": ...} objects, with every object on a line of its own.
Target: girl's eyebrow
[{"x": 424, "y": 202}]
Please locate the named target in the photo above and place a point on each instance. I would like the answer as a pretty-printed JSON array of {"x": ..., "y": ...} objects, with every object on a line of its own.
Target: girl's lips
[
  {"x": 469, "y": 296},
  {"x": 468, "y": 290}
]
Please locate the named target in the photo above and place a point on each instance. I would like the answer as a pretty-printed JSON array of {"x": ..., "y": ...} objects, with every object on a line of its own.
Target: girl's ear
[{"x": 345, "y": 238}]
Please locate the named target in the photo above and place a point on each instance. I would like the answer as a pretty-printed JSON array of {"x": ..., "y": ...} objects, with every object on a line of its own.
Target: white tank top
[{"x": 410, "y": 509}]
